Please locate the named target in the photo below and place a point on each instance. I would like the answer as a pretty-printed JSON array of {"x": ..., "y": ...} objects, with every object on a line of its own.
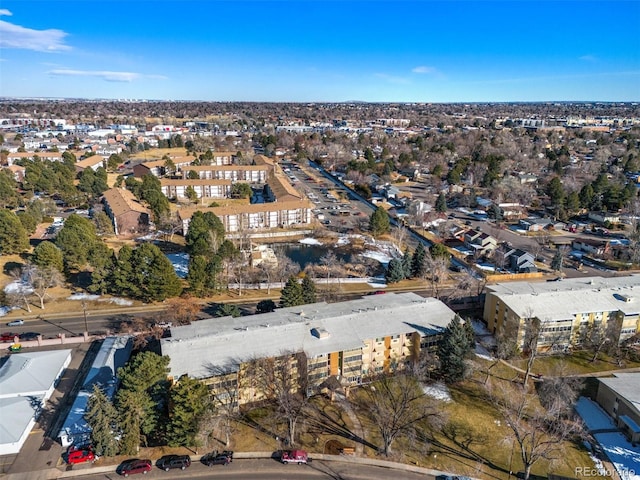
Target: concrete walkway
[{"x": 357, "y": 426}]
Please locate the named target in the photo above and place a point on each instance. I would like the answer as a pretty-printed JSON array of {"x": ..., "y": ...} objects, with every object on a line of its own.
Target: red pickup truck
[{"x": 294, "y": 456}]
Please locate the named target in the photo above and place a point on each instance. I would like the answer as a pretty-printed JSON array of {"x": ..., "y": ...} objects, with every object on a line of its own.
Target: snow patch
[
  {"x": 381, "y": 257},
  {"x": 439, "y": 391},
  {"x": 180, "y": 262},
  {"x": 118, "y": 301},
  {"x": 310, "y": 241},
  {"x": 483, "y": 353},
  {"x": 83, "y": 296},
  {"x": 18, "y": 286}
]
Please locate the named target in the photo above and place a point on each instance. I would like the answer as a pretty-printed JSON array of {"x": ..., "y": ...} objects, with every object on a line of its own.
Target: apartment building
[
  {"x": 234, "y": 173},
  {"x": 619, "y": 396},
  {"x": 244, "y": 217},
  {"x": 567, "y": 310},
  {"x": 347, "y": 342},
  {"x": 204, "y": 188},
  {"x": 48, "y": 156},
  {"x": 124, "y": 210}
]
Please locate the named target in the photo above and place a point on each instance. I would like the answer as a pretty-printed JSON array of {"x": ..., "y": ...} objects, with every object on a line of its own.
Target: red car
[
  {"x": 294, "y": 456},
  {"x": 80, "y": 455},
  {"x": 134, "y": 466},
  {"x": 8, "y": 337}
]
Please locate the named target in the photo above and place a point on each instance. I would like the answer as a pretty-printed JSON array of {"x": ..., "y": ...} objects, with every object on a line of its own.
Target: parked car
[
  {"x": 294, "y": 456},
  {"x": 135, "y": 465},
  {"x": 8, "y": 336},
  {"x": 80, "y": 455},
  {"x": 15, "y": 323},
  {"x": 218, "y": 458},
  {"x": 169, "y": 462},
  {"x": 29, "y": 336}
]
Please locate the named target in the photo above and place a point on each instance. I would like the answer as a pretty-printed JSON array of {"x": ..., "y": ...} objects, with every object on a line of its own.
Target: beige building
[
  {"x": 344, "y": 342},
  {"x": 567, "y": 310},
  {"x": 177, "y": 188}
]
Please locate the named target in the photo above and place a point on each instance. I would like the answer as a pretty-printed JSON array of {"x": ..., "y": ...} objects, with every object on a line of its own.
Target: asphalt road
[{"x": 272, "y": 470}]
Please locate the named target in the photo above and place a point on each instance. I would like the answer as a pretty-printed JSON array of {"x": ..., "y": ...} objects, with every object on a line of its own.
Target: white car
[{"x": 15, "y": 323}]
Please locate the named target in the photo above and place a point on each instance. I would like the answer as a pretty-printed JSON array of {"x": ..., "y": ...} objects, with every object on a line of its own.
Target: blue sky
[{"x": 329, "y": 50}]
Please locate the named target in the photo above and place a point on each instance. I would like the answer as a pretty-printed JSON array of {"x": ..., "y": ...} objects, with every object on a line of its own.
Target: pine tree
[
  {"x": 454, "y": 347},
  {"x": 557, "y": 260},
  {"x": 441, "y": 203},
  {"x": 154, "y": 274},
  {"x": 291, "y": 295},
  {"x": 189, "y": 399},
  {"x": 395, "y": 271},
  {"x": 13, "y": 236},
  {"x": 308, "y": 290},
  {"x": 265, "y": 306},
  {"x": 379, "y": 222},
  {"x": 197, "y": 275},
  {"x": 46, "y": 254},
  {"x": 102, "y": 417},
  {"x": 406, "y": 263},
  {"x": 418, "y": 263},
  {"x": 470, "y": 334}
]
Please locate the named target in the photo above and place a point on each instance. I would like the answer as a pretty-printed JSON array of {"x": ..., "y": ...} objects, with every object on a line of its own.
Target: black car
[
  {"x": 29, "y": 336},
  {"x": 168, "y": 462},
  {"x": 215, "y": 458}
]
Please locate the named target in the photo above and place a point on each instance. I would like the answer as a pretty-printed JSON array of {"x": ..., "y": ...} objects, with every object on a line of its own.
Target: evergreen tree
[
  {"x": 454, "y": 348},
  {"x": 291, "y": 293},
  {"x": 121, "y": 278},
  {"x": 197, "y": 276},
  {"x": 46, "y": 254},
  {"x": 102, "y": 417},
  {"x": 406, "y": 263},
  {"x": 189, "y": 399},
  {"x": 470, "y": 334},
  {"x": 557, "y": 260},
  {"x": 154, "y": 274},
  {"x": 308, "y": 290},
  {"x": 419, "y": 262},
  {"x": 265, "y": 306},
  {"x": 76, "y": 240},
  {"x": 395, "y": 271},
  {"x": 226, "y": 310},
  {"x": 13, "y": 236},
  {"x": 439, "y": 250},
  {"x": 379, "y": 222},
  {"x": 441, "y": 203}
]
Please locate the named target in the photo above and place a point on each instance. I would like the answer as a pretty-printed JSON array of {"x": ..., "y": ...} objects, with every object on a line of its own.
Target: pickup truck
[{"x": 294, "y": 456}]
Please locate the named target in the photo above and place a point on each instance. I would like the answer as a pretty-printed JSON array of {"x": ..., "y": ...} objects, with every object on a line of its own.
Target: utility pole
[{"x": 84, "y": 310}]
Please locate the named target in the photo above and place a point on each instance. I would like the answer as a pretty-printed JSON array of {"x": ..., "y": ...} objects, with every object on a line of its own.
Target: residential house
[
  {"x": 48, "y": 156},
  {"x": 126, "y": 213},
  {"x": 534, "y": 224},
  {"x": 480, "y": 242},
  {"x": 592, "y": 246},
  {"x": 93, "y": 162},
  {"x": 515, "y": 259},
  {"x": 604, "y": 217},
  {"x": 346, "y": 342},
  {"x": 567, "y": 310},
  {"x": 619, "y": 396}
]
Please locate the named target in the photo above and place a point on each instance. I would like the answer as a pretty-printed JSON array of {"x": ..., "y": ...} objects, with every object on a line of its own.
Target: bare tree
[
  {"x": 329, "y": 262},
  {"x": 538, "y": 432},
  {"x": 267, "y": 271},
  {"x": 396, "y": 405},
  {"x": 530, "y": 342},
  {"x": 41, "y": 279},
  {"x": 399, "y": 234},
  {"x": 182, "y": 310},
  {"x": 437, "y": 273},
  {"x": 602, "y": 336},
  {"x": 19, "y": 295}
]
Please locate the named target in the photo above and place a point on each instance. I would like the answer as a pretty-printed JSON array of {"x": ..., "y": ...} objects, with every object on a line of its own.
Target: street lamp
[{"x": 84, "y": 310}]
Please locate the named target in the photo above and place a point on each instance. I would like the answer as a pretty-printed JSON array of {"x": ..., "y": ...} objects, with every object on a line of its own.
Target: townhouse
[
  {"x": 346, "y": 341},
  {"x": 567, "y": 310},
  {"x": 48, "y": 156}
]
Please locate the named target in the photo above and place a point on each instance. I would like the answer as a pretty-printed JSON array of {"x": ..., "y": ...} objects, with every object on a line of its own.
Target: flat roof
[
  {"x": 626, "y": 385},
  {"x": 563, "y": 299},
  {"x": 26, "y": 373},
  {"x": 204, "y": 346}
]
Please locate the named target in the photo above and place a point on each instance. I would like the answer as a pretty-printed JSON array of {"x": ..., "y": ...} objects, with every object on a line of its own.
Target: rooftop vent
[
  {"x": 320, "y": 333},
  {"x": 626, "y": 298}
]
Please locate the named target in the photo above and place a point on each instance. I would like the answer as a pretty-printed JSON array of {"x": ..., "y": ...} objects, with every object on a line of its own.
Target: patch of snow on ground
[
  {"x": 4, "y": 311},
  {"x": 83, "y": 296},
  {"x": 486, "y": 266},
  {"x": 377, "y": 285},
  {"x": 480, "y": 328},
  {"x": 343, "y": 240},
  {"x": 439, "y": 391},
  {"x": 382, "y": 257},
  {"x": 624, "y": 456},
  {"x": 482, "y": 352},
  {"x": 180, "y": 262},
  {"x": 18, "y": 287},
  {"x": 311, "y": 241},
  {"x": 118, "y": 301}
]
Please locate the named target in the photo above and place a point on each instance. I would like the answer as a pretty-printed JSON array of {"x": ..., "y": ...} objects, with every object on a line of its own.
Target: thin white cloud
[
  {"x": 104, "y": 75},
  {"x": 393, "y": 78},
  {"x": 17, "y": 36},
  {"x": 588, "y": 58},
  {"x": 424, "y": 69}
]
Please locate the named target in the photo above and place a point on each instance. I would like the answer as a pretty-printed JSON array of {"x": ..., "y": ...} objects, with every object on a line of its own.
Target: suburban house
[
  {"x": 515, "y": 259},
  {"x": 604, "y": 217},
  {"x": 533, "y": 224},
  {"x": 592, "y": 246},
  {"x": 480, "y": 242},
  {"x": 126, "y": 213},
  {"x": 619, "y": 396},
  {"x": 343, "y": 342},
  {"x": 204, "y": 188},
  {"x": 567, "y": 310},
  {"x": 93, "y": 162}
]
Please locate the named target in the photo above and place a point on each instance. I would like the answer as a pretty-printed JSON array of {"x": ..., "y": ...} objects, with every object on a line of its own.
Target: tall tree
[
  {"x": 454, "y": 348},
  {"x": 13, "y": 236},
  {"x": 189, "y": 399},
  {"x": 395, "y": 271},
  {"x": 46, "y": 254},
  {"x": 419, "y": 262},
  {"x": 379, "y": 223},
  {"x": 291, "y": 295},
  {"x": 102, "y": 417},
  {"x": 308, "y": 290},
  {"x": 441, "y": 203},
  {"x": 154, "y": 274},
  {"x": 76, "y": 240}
]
